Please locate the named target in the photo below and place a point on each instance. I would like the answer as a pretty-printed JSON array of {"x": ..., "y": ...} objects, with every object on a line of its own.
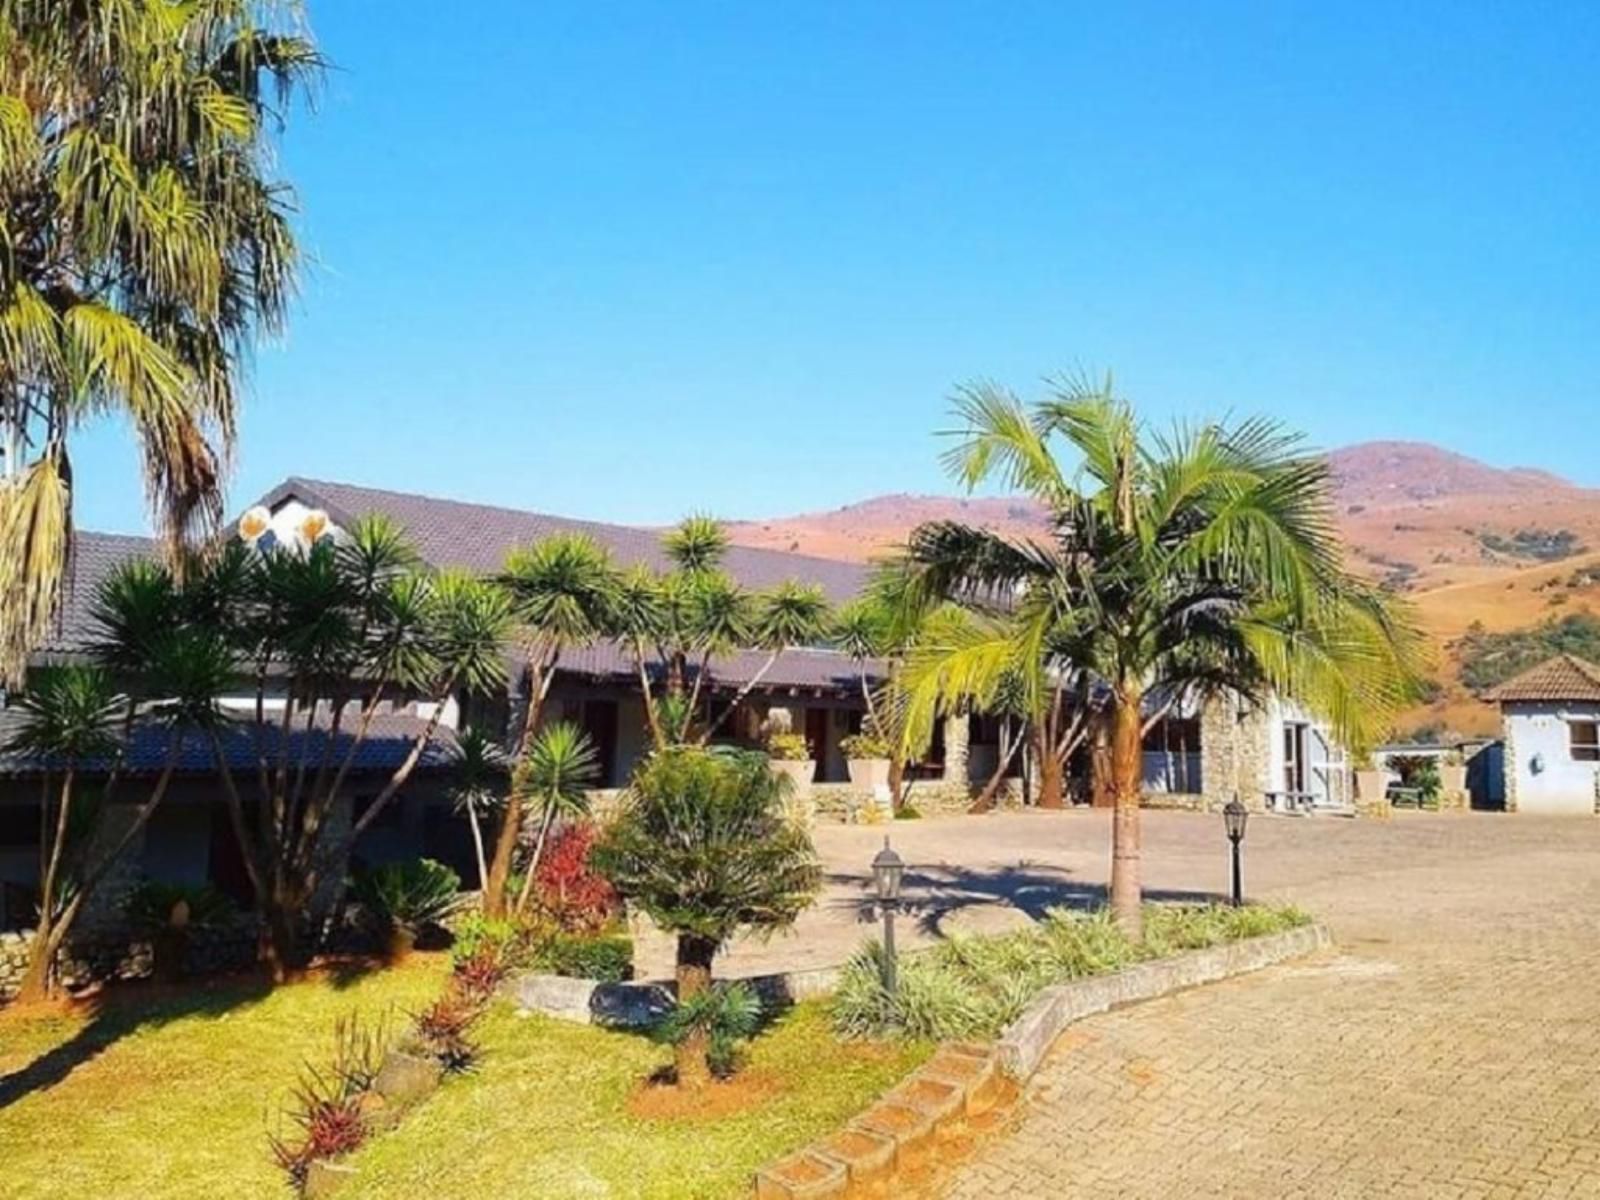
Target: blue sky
[{"x": 627, "y": 261}]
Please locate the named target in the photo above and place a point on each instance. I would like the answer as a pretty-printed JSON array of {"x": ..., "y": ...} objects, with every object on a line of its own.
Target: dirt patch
[{"x": 658, "y": 1099}]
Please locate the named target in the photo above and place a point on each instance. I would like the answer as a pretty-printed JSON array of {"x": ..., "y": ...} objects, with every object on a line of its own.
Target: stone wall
[
  {"x": 1233, "y": 754},
  {"x": 103, "y": 956}
]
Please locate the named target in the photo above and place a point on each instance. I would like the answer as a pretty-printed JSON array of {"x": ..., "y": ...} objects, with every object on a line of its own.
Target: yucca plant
[
  {"x": 563, "y": 591},
  {"x": 721, "y": 1017},
  {"x": 553, "y": 779}
]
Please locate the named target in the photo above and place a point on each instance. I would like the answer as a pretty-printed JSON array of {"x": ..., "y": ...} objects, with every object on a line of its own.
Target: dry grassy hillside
[{"x": 1466, "y": 541}]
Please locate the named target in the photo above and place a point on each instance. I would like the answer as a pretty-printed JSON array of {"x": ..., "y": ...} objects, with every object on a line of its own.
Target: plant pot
[
  {"x": 1452, "y": 781},
  {"x": 401, "y": 942},
  {"x": 325, "y": 1178},
  {"x": 406, "y": 1078},
  {"x": 1372, "y": 790},
  {"x": 869, "y": 773},
  {"x": 799, "y": 773}
]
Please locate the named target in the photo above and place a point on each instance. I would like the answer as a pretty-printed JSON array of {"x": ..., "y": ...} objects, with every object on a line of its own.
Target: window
[{"x": 1585, "y": 740}]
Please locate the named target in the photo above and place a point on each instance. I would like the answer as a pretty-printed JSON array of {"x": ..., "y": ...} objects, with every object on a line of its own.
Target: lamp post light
[
  {"x": 1234, "y": 816},
  {"x": 887, "y": 870}
]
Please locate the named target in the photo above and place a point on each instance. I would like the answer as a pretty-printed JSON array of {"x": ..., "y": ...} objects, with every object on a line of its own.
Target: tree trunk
[
  {"x": 1100, "y": 769},
  {"x": 533, "y": 859},
  {"x": 280, "y": 948},
  {"x": 36, "y": 980},
  {"x": 1007, "y": 752},
  {"x": 1126, "y": 784},
  {"x": 694, "y": 978},
  {"x": 1052, "y": 792}
]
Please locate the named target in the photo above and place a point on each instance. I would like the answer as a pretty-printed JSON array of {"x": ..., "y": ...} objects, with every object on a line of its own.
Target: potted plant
[
  {"x": 789, "y": 755},
  {"x": 1372, "y": 785},
  {"x": 868, "y": 755},
  {"x": 408, "y": 897}
]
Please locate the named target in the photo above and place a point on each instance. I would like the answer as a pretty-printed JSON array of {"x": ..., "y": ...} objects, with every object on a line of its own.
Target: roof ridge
[{"x": 654, "y": 531}]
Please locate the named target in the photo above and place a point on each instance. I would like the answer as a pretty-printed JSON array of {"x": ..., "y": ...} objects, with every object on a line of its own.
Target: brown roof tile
[{"x": 1565, "y": 677}]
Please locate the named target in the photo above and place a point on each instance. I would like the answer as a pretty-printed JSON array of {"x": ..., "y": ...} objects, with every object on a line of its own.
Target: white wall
[{"x": 1540, "y": 731}]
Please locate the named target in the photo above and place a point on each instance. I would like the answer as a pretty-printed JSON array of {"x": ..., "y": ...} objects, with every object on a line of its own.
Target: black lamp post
[
  {"x": 887, "y": 870},
  {"x": 1234, "y": 816}
]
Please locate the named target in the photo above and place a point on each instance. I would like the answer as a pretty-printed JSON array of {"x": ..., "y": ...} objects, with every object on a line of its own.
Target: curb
[
  {"x": 948, "y": 1097},
  {"x": 1026, "y": 1040}
]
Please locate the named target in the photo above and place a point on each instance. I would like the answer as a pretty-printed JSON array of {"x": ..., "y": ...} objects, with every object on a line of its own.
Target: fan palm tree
[
  {"x": 144, "y": 245},
  {"x": 564, "y": 590},
  {"x": 1177, "y": 567},
  {"x": 791, "y": 614},
  {"x": 554, "y": 776}
]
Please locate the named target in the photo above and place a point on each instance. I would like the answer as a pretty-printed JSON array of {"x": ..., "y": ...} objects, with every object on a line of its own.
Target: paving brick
[{"x": 1445, "y": 1048}]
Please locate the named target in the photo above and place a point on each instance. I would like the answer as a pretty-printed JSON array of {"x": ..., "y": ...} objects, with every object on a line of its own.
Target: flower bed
[{"x": 973, "y": 987}]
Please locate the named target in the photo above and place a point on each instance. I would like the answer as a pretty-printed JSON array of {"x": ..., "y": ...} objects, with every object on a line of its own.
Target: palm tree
[
  {"x": 555, "y": 776},
  {"x": 564, "y": 590},
  {"x": 1177, "y": 567},
  {"x": 480, "y": 776},
  {"x": 791, "y": 614},
  {"x": 144, "y": 246},
  {"x": 702, "y": 847}
]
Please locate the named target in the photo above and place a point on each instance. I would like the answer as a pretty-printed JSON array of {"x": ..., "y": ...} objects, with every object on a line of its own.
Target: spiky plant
[
  {"x": 553, "y": 778},
  {"x": 144, "y": 246},
  {"x": 563, "y": 590}
]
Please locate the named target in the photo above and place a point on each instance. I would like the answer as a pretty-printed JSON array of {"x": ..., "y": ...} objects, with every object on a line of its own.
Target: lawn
[{"x": 169, "y": 1096}]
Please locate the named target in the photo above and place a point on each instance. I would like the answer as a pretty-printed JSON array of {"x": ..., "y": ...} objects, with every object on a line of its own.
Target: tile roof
[
  {"x": 388, "y": 741},
  {"x": 1565, "y": 677},
  {"x": 476, "y": 537},
  {"x": 451, "y": 533}
]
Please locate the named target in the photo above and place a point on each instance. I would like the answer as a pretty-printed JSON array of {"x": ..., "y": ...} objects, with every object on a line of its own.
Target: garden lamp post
[
  {"x": 887, "y": 870},
  {"x": 1234, "y": 816}
]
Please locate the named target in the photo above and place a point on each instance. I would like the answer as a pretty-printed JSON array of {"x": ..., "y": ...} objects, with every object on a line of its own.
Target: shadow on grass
[
  {"x": 929, "y": 894},
  {"x": 125, "y": 1008}
]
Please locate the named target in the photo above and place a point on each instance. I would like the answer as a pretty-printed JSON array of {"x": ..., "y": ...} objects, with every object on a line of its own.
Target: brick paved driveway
[{"x": 1450, "y": 1047}]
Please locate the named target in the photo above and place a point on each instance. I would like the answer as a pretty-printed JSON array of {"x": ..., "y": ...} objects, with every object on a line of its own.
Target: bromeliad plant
[
  {"x": 409, "y": 897},
  {"x": 1204, "y": 562},
  {"x": 703, "y": 848}
]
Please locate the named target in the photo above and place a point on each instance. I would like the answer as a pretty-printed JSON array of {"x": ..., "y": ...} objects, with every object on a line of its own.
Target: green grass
[
  {"x": 169, "y": 1098},
  {"x": 973, "y": 987}
]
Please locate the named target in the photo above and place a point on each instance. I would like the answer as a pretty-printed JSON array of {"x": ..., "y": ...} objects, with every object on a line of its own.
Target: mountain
[{"x": 1467, "y": 542}]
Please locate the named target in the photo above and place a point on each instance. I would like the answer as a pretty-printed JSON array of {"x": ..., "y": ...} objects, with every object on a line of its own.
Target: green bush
[
  {"x": 788, "y": 747},
  {"x": 975, "y": 986},
  {"x": 607, "y": 957},
  {"x": 149, "y": 906},
  {"x": 727, "y": 1014},
  {"x": 476, "y": 935},
  {"x": 410, "y": 895}
]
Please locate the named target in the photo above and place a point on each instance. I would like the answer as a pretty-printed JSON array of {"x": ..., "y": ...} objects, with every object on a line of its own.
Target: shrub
[
  {"x": 865, "y": 744},
  {"x": 149, "y": 906},
  {"x": 571, "y": 893},
  {"x": 607, "y": 958},
  {"x": 410, "y": 895},
  {"x": 723, "y": 1016},
  {"x": 908, "y": 812},
  {"x": 975, "y": 986},
  {"x": 788, "y": 747}
]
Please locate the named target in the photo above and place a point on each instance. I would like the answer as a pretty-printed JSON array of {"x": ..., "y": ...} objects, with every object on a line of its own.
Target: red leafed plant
[
  {"x": 330, "y": 1121},
  {"x": 443, "y": 1028},
  {"x": 573, "y": 895}
]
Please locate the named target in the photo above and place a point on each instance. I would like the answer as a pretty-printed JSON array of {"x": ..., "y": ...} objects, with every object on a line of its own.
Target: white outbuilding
[{"x": 1551, "y": 718}]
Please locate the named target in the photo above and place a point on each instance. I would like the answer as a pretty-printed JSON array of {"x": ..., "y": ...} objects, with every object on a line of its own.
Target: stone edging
[
  {"x": 949, "y": 1096},
  {"x": 640, "y": 1005},
  {"x": 1026, "y": 1040}
]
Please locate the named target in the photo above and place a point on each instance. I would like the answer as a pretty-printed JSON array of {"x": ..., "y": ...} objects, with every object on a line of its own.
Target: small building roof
[{"x": 1565, "y": 677}]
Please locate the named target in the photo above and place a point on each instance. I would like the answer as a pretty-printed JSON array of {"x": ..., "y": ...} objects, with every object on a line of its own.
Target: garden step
[
  {"x": 976, "y": 1074},
  {"x": 944, "y": 1103},
  {"x": 911, "y": 1129},
  {"x": 802, "y": 1176},
  {"x": 867, "y": 1157}
]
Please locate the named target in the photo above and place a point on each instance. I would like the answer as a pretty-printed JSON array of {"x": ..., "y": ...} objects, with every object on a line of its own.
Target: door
[
  {"x": 817, "y": 723},
  {"x": 600, "y": 723},
  {"x": 1294, "y": 759}
]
